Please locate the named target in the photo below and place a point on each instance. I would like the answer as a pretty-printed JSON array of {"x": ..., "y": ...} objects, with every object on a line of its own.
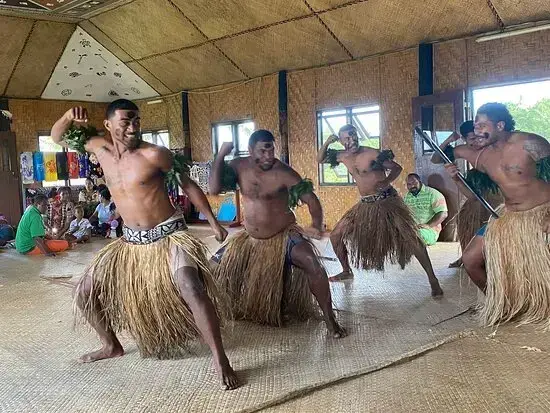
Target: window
[
  {"x": 46, "y": 144},
  {"x": 367, "y": 121},
  {"x": 237, "y": 132},
  {"x": 529, "y": 104},
  {"x": 161, "y": 138}
]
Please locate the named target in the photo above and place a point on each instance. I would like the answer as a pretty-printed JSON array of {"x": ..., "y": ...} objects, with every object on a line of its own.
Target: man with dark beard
[
  {"x": 512, "y": 265},
  {"x": 155, "y": 281},
  {"x": 270, "y": 269},
  {"x": 380, "y": 226}
]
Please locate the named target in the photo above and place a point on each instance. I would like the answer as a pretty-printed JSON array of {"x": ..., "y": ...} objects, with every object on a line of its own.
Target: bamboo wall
[{"x": 33, "y": 116}]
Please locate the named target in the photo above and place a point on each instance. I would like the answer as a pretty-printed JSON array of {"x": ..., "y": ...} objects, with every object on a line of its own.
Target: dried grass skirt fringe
[
  {"x": 517, "y": 258},
  {"x": 136, "y": 290},
  {"x": 472, "y": 216},
  {"x": 379, "y": 231},
  {"x": 262, "y": 287}
]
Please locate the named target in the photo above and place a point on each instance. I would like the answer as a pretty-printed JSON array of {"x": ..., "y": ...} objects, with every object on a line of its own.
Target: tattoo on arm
[{"x": 538, "y": 148}]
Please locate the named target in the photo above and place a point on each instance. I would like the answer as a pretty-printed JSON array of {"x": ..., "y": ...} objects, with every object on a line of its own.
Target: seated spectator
[
  {"x": 60, "y": 214},
  {"x": 80, "y": 230},
  {"x": 30, "y": 237},
  {"x": 7, "y": 232},
  {"x": 88, "y": 197},
  {"x": 428, "y": 207},
  {"x": 105, "y": 214},
  {"x": 53, "y": 195}
]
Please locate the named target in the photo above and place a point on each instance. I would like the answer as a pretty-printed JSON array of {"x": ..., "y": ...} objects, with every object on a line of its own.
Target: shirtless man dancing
[
  {"x": 255, "y": 265},
  {"x": 512, "y": 263},
  {"x": 176, "y": 294},
  {"x": 380, "y": 226}
]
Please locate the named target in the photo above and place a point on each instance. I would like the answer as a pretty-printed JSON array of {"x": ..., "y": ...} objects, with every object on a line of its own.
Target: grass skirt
[
  {"x": 517, "y": 258},
  {"x": 262, "y": 286},
  {"x": 379, "y": 231},
  {"x": 472, "y": 216},
  {"x": 136, "y": 290}
]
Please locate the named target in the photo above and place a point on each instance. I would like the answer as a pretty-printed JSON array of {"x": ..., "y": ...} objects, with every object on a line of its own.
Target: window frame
[
  {"x": 55, "y": 184},
  {"x": 349, "y": 120},
  {"x": 155, "y": 134},
  {"x": 234, "y": 133}
]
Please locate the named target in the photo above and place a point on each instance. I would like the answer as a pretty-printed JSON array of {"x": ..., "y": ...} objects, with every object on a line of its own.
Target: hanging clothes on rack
[
  {"x": 27, "y": 168},
  {"x": 50, "y": 166},
  {"x": 83, "y": 166},
  {"x": 72, "y": 160},
  {"x": 38, "y": 166},
  {"x": 62, "y": 165}
]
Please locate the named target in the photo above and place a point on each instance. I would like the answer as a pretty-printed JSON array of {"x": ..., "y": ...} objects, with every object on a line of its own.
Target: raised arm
[
  {"x": 76, "y": 114},
  {"x": 163, "y": 159},
  {"x": 304, "y": 190},
  {"x": 452, "y": 138},
  {"x": 85, "y": 141},
  {"x": 322, "y": 154},
  {"x": 215, "y": 185}
]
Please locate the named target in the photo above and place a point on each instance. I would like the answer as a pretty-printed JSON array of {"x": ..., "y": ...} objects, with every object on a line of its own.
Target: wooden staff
[{"x": 446, "y": 159}]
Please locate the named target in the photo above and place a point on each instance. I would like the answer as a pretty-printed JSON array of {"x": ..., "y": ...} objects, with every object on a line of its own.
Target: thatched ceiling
[{"x": 175, "y": 45}]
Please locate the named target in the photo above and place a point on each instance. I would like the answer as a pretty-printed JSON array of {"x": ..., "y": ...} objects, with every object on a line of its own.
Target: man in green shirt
[
  {"x": 29, "y": 238},
  {"x": 428, "y": 206}
]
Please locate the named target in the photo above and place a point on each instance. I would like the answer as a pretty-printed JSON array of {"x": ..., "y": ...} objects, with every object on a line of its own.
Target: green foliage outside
[{"x": 534, "y": 119}]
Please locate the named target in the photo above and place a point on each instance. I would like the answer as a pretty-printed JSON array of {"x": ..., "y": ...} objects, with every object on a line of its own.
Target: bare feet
[
  {"x": 227, "y": 375},
  {"x": 436, "y": 290},
  {"x": 456, "y": 264},
  {"x": 336, "y": 329},
  {"x": 105, "y": 352},
  {"x": 344, "y": 275}
]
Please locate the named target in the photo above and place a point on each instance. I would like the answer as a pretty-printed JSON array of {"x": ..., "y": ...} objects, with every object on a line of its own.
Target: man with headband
[
  {"x": 270, "y": 269},
  {"x": 379, "y": 227}
]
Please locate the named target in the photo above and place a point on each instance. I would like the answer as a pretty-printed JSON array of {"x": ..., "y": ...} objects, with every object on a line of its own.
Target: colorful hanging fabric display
[
  {"x": 27, "y": 168},
  {"x": 38, "y": 166},
  {"x": 83, "y": 166},
  {"x": 62, "y": 165},
  {"x": 72, "y": 159},
  {"x": 50, "y": 166}
]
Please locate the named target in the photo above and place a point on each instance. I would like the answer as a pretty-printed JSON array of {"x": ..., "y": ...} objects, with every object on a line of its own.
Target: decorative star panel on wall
[{"x": 89, "y": 72}]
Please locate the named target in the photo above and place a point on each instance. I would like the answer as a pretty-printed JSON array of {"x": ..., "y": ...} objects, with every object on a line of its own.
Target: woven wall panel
[
  {"x": 512, "y": 59},
  {"x": 223, "y": 17},
  {"x": 354, "y": 83},
  {"x": 378, "y": 26},
  {"x": 153, "y": 117},
  {"x": 151, "y": 80},
  {"x": 444, "y": 118},
  {"x": 399, "y": 75},
  {"x": 105, "y": 40},
  {"x": 33, "y": 116},
  {"x": 450, "y": 65},
  {"x": 199, "y": 125},
  {"x": 515, "y": 59},
  {"x": 175, "y": 121},
  {"x": 256, "y": 100},
  {"x": 193, "y": 68},
  {"x": 39, "y": 58},
  {"x": 146, "y": 27},
  {"x": 293, "y": 45},
  {"x": 13, "y": 32},
  {"x": 520, "y": 11}
]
